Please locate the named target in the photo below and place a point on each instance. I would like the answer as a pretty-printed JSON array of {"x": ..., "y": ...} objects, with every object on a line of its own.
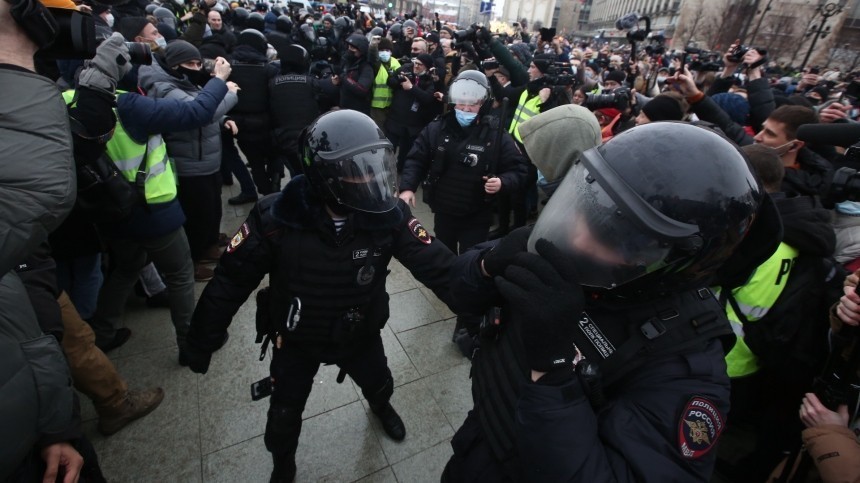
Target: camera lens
[{"x": 140, "y": 53}]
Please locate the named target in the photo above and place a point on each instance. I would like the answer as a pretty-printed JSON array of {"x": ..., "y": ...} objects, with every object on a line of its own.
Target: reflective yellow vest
[
  {"x": 755, "y": 299},
  {"x": 382, "y": 94},
  {"x": 126, "y": 153},
  {"x": 526, "y": 109}
]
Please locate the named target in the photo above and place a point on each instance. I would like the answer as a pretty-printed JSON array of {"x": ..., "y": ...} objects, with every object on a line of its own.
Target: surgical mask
[
  {"x": 661, "y": 79},
  {"x": 109, "y": 20},
  {"x": 851, "y": 208},
  {"x": 160, "y": 43},
  {"x": 309, "y": 21},
  {"x": 782, "y": 149},
  {"x": 180, "y": 2},
  {"x": 384, "y": 55},
  {"x": 465, "y": 118},
  {"x": 589, "y": 74}
]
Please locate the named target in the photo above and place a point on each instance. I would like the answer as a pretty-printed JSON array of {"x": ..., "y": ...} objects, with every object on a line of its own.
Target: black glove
[
  {"x": 500, "y": 256},
  {"x": 111, "y": 63},
  {"x": 483, "y": 36},
  {"x": 543, "y": 293},
  {"x": 198, "y": 361}
]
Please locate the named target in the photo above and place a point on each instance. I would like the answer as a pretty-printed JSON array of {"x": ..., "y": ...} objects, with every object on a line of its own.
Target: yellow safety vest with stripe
[
  {"x": 755, "y": 299},
  {"x": 382, "y": 94},
  {"x": 127, "y": 154},
  {"x": 526, "y": 109}
]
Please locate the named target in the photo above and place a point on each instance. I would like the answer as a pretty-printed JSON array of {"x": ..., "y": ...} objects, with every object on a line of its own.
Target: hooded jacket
[
  {"x": 356, "y": 80},
  {"x": 37, "y": 191},
  {"x": 575, "y": 125},
  {"x": 196, "y": 152}
]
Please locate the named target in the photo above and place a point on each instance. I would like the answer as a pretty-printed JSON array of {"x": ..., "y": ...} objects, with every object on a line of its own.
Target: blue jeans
[{"x": 82, "y": 278}]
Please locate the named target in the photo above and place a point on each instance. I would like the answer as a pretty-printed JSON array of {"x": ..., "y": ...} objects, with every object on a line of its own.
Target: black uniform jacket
[
  {"x": 660, "y": 422},
  {"x": 257, "y": 249}
]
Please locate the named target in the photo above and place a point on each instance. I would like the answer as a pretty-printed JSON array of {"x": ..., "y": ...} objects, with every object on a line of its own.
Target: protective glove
[
  {"x": 500, "y": 256},
  {"x": 546, "y": 299},
  {"x": 197, "y": 360},
  {"x": 111, "y": 63}
]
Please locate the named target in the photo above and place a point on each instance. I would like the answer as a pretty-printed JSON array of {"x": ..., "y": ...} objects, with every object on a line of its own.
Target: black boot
[
  {"x": 391, "y": 422},
  {"x": 285, "y": 468}
]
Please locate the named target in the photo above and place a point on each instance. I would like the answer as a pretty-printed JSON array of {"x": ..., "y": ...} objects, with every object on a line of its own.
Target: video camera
[
  {"x": 619, "y": 99},
  {"x": 561, "y": 74},
  {"x": 468, "y": 35},
  {"x": 839, "y": 383}
]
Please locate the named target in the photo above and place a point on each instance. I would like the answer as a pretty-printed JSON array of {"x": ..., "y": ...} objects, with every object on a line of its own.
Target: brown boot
[
  {"x": 136, "y": 404},
  {"x": 212, "y": 255},
  {"x": 203, "y": 273}
]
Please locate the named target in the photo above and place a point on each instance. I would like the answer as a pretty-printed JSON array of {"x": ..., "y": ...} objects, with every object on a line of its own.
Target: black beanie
[
  {"x": 426, "y": 59},
  {"x": 130, "y": 27},
  {"x": 542, "y": 62},
  {"x": 616, "y": 75},
  {"x": 180, "y": 51},
  {"x": 663, "y": 108}
]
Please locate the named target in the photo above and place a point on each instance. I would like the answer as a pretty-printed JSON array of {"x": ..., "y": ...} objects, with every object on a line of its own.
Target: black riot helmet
[
  {"x": 295, "y": 59},
  {"x": 283, "y": 24},
  {"x": 349, "y": 162},
  {"x": 638, "y": 215},
  {"x": 396, "y": 30},
  {"x": 240, "y": 16},
  {"x": 256, "y": 21}
]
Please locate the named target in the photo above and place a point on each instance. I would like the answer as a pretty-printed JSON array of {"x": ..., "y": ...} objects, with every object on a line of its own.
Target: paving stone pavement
[{"x": 208, "y": 429}]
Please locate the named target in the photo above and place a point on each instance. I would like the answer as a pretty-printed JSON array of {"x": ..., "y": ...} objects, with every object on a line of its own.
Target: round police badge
[
  {"x": 365, "y": 275},
  {"x": 699, "y": 428}
]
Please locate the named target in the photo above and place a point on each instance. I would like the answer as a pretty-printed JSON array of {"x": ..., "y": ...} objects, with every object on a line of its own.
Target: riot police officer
[
  {"x": 295, "y": 100},
  {"x": 325, "y": 241},
  {"x": 604, "y": 361},
  {"x": 465, "y": 158},
  {"x": 252, "y": 72}
]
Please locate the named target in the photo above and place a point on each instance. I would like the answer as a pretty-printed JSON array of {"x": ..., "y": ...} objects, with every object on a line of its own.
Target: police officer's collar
[{"x": 298, "y": 206}]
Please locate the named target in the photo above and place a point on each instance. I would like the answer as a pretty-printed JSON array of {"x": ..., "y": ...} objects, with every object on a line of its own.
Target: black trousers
[
  {"x": 462, "y": 232},
  {"x": 200, "y": 197},
  {"x": 293, "y": 373},
  {"x": 258, "y": 152},
  {"x": 473, "y": 459}
]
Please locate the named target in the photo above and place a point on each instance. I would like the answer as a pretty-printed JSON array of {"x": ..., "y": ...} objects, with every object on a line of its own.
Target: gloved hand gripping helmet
[
  {"x": 638, "y": 214},
  {"x": 349, "y": 162}
]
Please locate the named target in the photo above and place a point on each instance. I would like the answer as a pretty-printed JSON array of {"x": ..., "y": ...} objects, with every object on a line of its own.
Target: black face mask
[{"x": 197, "y": 77}]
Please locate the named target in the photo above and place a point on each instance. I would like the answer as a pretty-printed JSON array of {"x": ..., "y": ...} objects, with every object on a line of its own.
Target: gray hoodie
[
  {"x": 556, "y": 138},
  {"x": 196, "y": 152}
]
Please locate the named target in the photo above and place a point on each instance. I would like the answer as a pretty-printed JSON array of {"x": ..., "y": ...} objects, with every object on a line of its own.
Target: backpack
[{"x": 790, "y": 341}]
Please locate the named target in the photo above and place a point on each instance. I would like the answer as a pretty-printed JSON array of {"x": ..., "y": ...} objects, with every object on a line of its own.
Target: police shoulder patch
[
  {"x": 239, "y": 238},
  {"x": 700, "y": 426},
  {"x": 418, "y": 231}
]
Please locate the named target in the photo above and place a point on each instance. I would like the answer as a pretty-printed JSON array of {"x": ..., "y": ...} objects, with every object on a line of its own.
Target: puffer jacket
[
  {"x": 196, "y": 152},
  {"x": 37, "y": 191}
]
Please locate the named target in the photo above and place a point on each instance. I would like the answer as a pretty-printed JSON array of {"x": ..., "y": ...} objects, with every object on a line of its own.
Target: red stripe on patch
[{"x": 419, "y": 232}]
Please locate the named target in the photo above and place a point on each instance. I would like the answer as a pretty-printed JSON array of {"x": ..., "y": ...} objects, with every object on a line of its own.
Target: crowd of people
[{"x": 650, "y": 249}]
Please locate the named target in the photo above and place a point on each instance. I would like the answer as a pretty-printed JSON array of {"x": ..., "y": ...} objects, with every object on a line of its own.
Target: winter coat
[{"x": 196, "y": 152}]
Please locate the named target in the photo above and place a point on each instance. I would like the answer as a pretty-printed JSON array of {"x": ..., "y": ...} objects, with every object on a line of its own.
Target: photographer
[
  {"x": 414, "y": 104},
  {"x": 830, "y": 437},
  {"x": 807, "y": 173},
  {"x": 759, "y": 94}
]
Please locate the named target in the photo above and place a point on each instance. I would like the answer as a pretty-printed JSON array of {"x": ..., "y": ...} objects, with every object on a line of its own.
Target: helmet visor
[
  {"x": 608, "y": 247},
  {"x": 364, "y": 181},
  {"x": 467, "y": 91}
]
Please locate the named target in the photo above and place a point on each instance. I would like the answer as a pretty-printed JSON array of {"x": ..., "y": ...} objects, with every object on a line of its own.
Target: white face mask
[
  {"x": 661, "y": 79},
  {"x": 180, "y": 2},
  {"x": 161, "y": 43},
  {"x": 109, "y": 20}
]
